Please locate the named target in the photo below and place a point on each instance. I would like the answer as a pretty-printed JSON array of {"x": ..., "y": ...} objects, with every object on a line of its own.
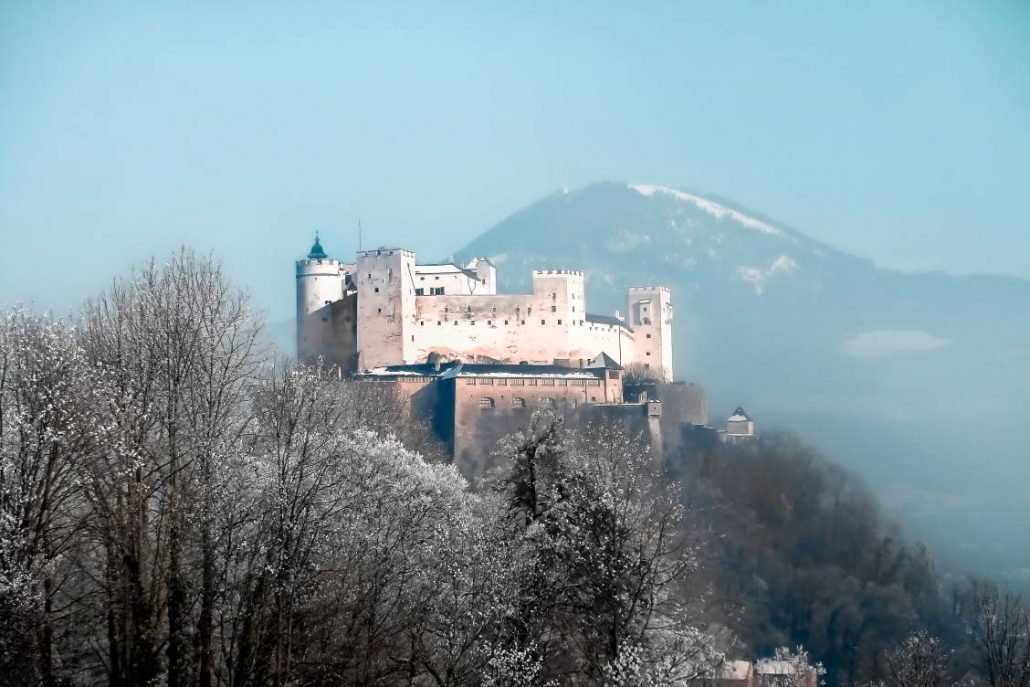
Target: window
[
  {"x": 422, "y": 323},
  {"x": 379, "y": 310},
  {"x": 554, "y": 308},
  {"x": 486, "y": 382},
  {"x": 648, "y": 353},
  {"x": 647, "y": 366},
  {"x": 531, "y": 382},
  {"x": 614, "y": 374},
  {"x": 543, "y": 322},
  {"x": 377, "y": 289},
  {"x": 438, "y": 323},
  {"x": 518, "y": 382},
  {"x": 523, "y": 321},
  {"x": 649, "y": 336},
  {"x": 502, "y": 382},
  {"x": 420, "y": 292},
  {"x": 470, "y": 382},
  {"x": 506, "y": 321},
  {"x": 489, "y": 323},
  {"x": 518, "y": 403},
  {"x": 486, "y": 403},
  {"x": 559, "y": 321},
  {"x": 563, "y": 382},
  {"x": 435, "y": 290},
  {"x": 546, "y": 382}
]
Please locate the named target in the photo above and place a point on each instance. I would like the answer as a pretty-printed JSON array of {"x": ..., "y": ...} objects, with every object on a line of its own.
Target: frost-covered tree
[
  {"x": 920, "y": 661},
  {"x": 608, "y": 553},
  {"x": 43, "y": 388}
]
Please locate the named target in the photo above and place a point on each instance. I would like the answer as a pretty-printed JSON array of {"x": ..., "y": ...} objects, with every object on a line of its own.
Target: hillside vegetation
[{"x": 180, "y": 507}]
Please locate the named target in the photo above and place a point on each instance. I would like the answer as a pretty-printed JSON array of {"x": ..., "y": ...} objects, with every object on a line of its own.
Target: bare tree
[
  {"x": 1000, "y": 629},
  {"x": 920, "y": 661}
]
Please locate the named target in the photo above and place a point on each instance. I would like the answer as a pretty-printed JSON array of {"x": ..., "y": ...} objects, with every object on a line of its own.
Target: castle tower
[
  {"x": 320, "y": 292},
  {"x": 385, "y": 307},
  {"x": 649, "y": 314}
]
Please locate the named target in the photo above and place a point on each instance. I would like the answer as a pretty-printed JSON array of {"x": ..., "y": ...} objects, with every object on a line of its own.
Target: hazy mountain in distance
[{"x": 918, "y": 381}]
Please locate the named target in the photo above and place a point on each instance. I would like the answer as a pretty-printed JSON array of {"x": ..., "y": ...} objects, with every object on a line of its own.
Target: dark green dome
[{"x": 317, "y": 253}]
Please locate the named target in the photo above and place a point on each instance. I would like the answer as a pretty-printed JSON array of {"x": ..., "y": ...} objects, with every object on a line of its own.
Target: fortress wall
[
  {"x": 502, "y": 328},
  {"x": 478, "y": 427},
  {"x": 548, "y": 325},
  {"x": 330, "y": 333}
]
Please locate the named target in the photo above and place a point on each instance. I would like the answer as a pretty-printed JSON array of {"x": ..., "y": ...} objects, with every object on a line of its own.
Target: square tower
[
  {"x": 386, "y": 307},
  {"x": 649, "y": 314}
]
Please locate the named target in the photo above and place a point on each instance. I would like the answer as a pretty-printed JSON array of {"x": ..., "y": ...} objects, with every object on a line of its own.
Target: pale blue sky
[{"x": 895, "y": 130}]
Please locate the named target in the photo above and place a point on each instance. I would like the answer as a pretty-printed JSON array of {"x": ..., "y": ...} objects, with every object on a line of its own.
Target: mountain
[{"x": 920, "y": 382}]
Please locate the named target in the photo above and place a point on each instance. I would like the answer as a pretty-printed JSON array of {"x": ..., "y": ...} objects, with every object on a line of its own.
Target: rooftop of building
[{"x": 456, "y": 369}]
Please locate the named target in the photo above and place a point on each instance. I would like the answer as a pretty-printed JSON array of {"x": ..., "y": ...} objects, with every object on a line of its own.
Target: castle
[
  {"x": 472, "y": 362},
  {"x": 385, "y": 309}
]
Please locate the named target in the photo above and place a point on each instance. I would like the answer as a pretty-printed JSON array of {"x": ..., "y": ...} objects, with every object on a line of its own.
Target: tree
[
  {"x": 1000, "y": 630},
  {"x": 608, "y": 556},
  {"x": 920, "y": 661}
]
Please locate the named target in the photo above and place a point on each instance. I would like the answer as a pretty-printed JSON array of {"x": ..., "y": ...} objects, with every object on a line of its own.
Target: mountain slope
[{"x": 918, "y": 381}]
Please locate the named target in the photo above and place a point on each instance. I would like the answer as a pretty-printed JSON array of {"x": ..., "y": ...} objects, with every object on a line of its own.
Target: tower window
[{"x": 486, "y": 403}]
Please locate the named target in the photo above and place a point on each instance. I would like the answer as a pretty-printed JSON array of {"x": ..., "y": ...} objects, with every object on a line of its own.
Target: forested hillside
[{"x": 179, "y": 506}]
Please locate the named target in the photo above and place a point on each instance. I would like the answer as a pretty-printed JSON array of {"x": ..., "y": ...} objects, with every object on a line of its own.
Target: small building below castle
[{"x": 740, "y": 428}]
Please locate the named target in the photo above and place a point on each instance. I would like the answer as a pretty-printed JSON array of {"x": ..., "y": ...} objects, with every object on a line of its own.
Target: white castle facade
[{"x": 386, "y": 309}]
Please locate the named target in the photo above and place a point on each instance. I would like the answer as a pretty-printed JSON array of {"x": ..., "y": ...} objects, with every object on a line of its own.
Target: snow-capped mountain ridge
[{"x": 713, "y": 208}]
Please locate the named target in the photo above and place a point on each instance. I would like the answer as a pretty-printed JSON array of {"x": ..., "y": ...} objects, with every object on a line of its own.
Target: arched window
[
  {"x": 518, "y": 402},
  {"x": 486, "y": 403}
]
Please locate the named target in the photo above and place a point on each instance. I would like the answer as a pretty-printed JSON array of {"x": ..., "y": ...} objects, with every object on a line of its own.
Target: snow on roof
[
  {"x": 437, "y": 269},
  {"x": 739, "y": 416},
  {"x": 735, "y": 670},
  {"x": 714, "y": 209},
  {"x": 770, "y": 667}
]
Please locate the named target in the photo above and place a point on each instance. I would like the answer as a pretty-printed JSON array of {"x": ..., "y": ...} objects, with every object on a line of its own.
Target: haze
[{"x": 895, "y": 131}]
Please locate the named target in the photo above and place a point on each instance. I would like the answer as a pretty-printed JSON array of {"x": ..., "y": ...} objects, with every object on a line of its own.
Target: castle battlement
[
  {"x": 386, "y": 309},
  {"x": 386, "y": 251},
  {"x": 571, "y": 273},
  {"x": 638, "y": 289}
]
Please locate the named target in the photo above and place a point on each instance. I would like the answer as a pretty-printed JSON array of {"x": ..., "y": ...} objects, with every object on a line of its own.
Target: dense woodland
[{"x": 179, "y": 506}]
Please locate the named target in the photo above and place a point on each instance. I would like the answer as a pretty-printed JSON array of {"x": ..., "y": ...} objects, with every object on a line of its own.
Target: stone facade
[{"x": 385, "y": 309}]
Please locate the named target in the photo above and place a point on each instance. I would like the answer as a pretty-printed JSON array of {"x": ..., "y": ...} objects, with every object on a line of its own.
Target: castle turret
[
  {"x": 321, "y": 322},
  {"x": 649, "y": 314}
]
